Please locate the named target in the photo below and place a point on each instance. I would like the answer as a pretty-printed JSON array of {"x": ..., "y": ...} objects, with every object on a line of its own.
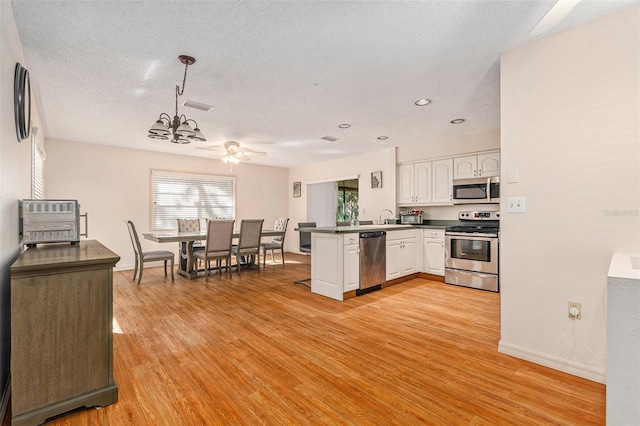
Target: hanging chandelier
[{"x": 178, "y": 126}]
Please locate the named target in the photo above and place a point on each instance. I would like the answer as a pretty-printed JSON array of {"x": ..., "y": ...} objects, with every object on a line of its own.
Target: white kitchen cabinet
[
  {"x": 335, "y": 264},
  {"x": 414, "y": 183},
  {"x": 481, "y": 165},
  {"x": 442, "y": 172},
  {"x": 424, "y": 183},
  {"x": 351, "y": 271},
  {"x": 433, "y": 250},
  {"x": 402, "y": 253}
]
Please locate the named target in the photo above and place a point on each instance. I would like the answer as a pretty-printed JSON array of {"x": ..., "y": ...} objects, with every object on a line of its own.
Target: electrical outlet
[
  {"x": 577, "y": 306},
  {"x": 516, "y": 205}
]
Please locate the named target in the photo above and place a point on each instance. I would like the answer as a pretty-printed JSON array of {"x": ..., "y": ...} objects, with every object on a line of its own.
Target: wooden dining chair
[
  {"x": 217, "y": 245},
  {"x": 147, "y": 256},
  {"x": 277, "y": 242},
  {"x": 248, "y": 242}
]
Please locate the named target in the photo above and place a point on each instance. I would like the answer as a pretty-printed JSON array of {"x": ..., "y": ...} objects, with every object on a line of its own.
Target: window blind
[
  {"x": 190, "y": 196},
  {"x": 37, "y": 169}
]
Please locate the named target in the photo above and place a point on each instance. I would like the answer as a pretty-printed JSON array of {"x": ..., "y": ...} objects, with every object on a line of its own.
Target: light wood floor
[{"x": 262, "y": 350}]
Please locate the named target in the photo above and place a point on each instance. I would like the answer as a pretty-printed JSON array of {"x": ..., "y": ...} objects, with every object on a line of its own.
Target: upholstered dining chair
[
  {"x": 305, "y": 244},
  {"x": 217, "y": 245},
  {"x": 248, "y": 241},
  {"x": 190, "y": 225},
  {"x": 147, "y": 256},
  {"x": 277, "y": 242},
  {"x": 305, "y": 237}
]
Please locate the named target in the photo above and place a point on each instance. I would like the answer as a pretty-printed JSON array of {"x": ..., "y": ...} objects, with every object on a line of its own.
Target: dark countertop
[{"x": 426, "y": 224}]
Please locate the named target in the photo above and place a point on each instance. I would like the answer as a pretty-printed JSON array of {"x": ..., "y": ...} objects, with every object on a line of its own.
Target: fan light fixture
[
  {"x": 233, "y": 153},
  {"x": 179, "y": 125}
]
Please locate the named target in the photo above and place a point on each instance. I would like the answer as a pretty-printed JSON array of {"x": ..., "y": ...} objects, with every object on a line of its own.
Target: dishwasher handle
[{"x": 373, "y": 234}]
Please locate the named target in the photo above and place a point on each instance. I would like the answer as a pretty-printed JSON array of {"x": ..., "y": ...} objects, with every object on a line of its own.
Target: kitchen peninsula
[{"x": 335, "y": 255}]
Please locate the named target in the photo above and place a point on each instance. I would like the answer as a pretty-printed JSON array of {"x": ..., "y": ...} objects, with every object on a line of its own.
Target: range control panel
[{"x": 479, "y": 215}]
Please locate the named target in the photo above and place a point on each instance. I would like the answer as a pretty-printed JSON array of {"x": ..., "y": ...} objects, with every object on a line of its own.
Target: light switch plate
[{"x": 516, "y": 205}]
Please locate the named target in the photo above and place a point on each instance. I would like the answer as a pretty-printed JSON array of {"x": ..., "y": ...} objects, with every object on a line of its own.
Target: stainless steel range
[{"x": 471, "y": 250}]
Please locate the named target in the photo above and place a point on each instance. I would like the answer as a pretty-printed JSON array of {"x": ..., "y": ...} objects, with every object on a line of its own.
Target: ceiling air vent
[
  {"x": 329, "y": 138},
  {"x": 197, "y": 105}
]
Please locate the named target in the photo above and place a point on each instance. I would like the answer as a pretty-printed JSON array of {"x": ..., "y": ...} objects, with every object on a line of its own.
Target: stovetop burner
[{"x": 477, "y": 222}]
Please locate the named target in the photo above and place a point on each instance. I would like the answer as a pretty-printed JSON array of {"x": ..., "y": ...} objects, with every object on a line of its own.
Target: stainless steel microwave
[{"x": 476, "y": 190}]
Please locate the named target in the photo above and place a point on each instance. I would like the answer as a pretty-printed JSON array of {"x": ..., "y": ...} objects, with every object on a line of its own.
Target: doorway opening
[{"x": 347, "y": 193}]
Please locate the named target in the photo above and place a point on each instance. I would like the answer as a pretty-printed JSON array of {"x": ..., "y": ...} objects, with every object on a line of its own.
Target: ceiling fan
[{"x": 231, "y": 152}]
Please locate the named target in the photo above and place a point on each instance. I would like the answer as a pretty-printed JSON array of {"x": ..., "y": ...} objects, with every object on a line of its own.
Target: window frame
[
  {"x": 198, "y": 182},
  {"x": 38, "y": 157}
]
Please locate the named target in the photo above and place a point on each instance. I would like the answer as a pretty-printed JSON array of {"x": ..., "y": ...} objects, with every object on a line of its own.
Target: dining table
[{"x": 187, "y": 266}]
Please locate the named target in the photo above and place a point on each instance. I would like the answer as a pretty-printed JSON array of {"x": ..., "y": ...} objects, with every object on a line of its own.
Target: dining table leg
[{"x": 187, "y": 265}]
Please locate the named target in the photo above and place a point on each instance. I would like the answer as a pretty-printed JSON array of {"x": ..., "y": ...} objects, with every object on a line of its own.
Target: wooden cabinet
[
  {"x": 414, "y": 183},
  {"x": 427, "y": 182},
  {"x": 433, "y": 250},
  {"x": 401, "y": 254},
  {"x": 335, "y": 264},
  {"x": 61, "y": 330},
  {"x": 442, "y": 171},
  {"x": 351, "y": 271},
  {"x": 481, "y": 165}
]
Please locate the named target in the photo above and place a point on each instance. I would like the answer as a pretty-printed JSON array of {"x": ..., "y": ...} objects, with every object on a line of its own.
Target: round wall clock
[{"x": 22, "y": 102}]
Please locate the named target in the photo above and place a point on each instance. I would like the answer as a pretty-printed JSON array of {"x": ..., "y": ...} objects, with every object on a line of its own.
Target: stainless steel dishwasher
[{"x": 373, "y": 260}]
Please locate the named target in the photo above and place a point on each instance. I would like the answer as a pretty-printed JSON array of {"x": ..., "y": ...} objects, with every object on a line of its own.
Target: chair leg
[
  {"x": 135, "y": 268},
  {"x": 238, "y": 264},
  {"x": 140, "y": 273},
  {"x": 264, "y": 256},
  {"x": 273, "y": 259},
  {"x": 282, "y": 254},
  {"x": 172, "y": 268},
  {"x": 165, "y": 268}
]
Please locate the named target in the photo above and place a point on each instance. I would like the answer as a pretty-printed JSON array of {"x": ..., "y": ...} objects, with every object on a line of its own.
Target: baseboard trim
[
  {"x": 6, "y": 397},
  {"x": 564, "y": 365}
]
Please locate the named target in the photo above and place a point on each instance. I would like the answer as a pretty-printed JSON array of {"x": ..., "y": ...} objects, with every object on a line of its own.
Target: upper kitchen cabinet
[
  {"x": 442, "y": 181},
  {"x": 427, "y": 182},
  {"x": 414, "y": 183},
  {"x": 481, "y": 165}
]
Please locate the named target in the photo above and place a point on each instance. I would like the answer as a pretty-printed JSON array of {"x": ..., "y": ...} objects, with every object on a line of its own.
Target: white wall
[
  {"x": 15, "y": 181},
  {"x": 370, "y": 201},
  {"x": 113, "y": 185},
  {"x": 570, "y": 128},
  {"x": 448, "y": 147}
]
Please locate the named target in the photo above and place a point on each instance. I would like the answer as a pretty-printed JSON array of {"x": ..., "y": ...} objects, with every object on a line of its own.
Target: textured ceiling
[{"x": 279, "y": 74}]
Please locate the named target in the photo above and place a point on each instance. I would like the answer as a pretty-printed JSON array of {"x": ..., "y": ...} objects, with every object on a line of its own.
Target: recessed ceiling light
[
  {"x": 383, "y": 138},
  {"x": 344, "y": 125},
  {"x": 329, "y": 138},
  {"x": 457, "y": 121},
  {"x": 422, "y": 102}
]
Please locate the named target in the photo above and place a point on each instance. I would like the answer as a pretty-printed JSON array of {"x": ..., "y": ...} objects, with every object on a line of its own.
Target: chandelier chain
[{"x": 178, "y": 91}]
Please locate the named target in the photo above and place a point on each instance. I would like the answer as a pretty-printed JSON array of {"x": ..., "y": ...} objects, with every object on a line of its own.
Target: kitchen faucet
[{"x": 385, "y": 210}]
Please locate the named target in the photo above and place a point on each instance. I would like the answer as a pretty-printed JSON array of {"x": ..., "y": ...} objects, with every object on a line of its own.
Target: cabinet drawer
[
  {"x": 402, "y": 235},
  {"x": 433, "y": 233},
  {"x": 349, "y": 239}
]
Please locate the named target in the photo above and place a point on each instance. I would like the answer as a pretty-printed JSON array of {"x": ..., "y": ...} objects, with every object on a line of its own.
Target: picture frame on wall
[
  {"x": 376, "y": 179},
  {"x": 297, "y": 189}
]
